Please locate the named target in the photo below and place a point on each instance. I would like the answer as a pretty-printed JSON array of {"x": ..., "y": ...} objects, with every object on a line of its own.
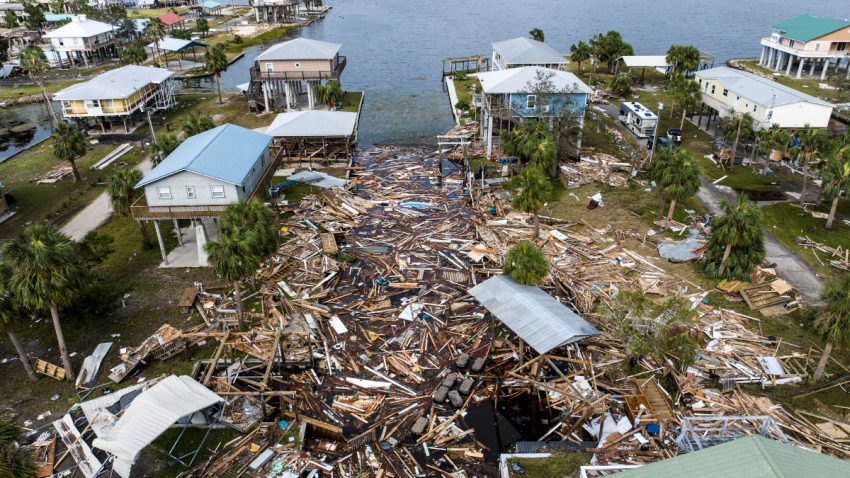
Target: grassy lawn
[
  {"x": 787, "y": 222},
  {"x": 153, "y": 12},
  {"x": 30, "y": 89},
  {"x": 351, "y": 101},
  {"x": 465, "y": 89},
  {"x": 556, "y": 466},
  {"x": 261, "y": 38},
  {"x": 59, "y": 201}
]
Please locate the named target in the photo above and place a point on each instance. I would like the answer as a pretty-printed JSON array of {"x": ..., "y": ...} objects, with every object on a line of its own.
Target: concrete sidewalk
[
  {"x": 96, "y": 213},
  {"x": 791, "y": 268}
]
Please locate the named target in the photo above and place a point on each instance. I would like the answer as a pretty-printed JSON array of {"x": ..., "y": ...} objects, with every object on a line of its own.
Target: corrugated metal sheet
[
  {"x": 176, "y": 44},
  {"x": 755, "y": 88},
  {"x": 525, "y": 51},
  {"x": 150, "y": 414},
  {"x": 227, "y": 153},
  {"x": 515, "y": 80},
  {"x": 301, "y": 49},
  {"x": 119, "y": 83},
  {"x": 79, "y": 28},
  {"x": 654, "y": 61},
  {"x": 543, "y": 322},
  {"x": 752, "y": 456},
  {"x": 313, "y": 123}
]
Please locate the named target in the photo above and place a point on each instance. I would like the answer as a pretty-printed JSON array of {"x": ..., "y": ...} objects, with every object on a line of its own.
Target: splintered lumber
[{"x": 49, "y": 369}]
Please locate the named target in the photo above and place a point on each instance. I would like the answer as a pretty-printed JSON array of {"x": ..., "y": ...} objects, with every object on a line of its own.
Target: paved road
[
  {"x": 791, "y": 268},
  {"x": 95, "y": 213}
]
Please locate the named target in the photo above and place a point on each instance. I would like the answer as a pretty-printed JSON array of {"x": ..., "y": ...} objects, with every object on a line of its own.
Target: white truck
[{"x": 638, "y": 118}]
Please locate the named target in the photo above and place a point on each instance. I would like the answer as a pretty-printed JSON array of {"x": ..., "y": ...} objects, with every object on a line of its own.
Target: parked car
[
  {"x": 674, "y": 135},
  {"x": 662, "y": 142}
]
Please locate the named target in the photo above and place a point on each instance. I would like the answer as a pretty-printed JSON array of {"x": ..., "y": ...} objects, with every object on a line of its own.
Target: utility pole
[
  {"x": 150, "y": 123},
  {"x": 655, "y": 136}
]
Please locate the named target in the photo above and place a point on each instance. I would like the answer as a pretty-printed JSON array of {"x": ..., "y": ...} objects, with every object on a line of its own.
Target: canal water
[{"x": 394, "y": 48}]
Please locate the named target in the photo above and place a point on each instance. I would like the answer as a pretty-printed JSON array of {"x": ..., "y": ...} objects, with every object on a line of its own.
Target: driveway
[
  {"x": 791, "y": 268},
  {"x": 96, "y": 213}
]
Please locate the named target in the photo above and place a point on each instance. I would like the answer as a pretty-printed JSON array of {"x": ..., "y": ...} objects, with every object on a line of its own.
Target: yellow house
[{"x": 119, "y": 94}]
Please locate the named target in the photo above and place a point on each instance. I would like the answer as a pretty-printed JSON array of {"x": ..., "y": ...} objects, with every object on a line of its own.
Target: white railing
[
  {"x": 800, "y": 52},
  {"x": 94, "y": 111}
]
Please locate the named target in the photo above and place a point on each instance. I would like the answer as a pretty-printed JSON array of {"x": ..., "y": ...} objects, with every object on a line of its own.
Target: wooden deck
[{"x": 141, "y": 210}]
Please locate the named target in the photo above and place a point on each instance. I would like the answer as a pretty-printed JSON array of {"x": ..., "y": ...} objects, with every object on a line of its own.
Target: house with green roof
[
  {"x": 807, "y": 44},
  {"x": 752, "y": 456}
]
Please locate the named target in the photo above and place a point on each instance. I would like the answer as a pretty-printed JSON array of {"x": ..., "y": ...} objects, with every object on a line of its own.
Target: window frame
[
  {"x": 190, "y": 192},
  {"x": 712, "y": 89},
  {"x": 725, "y": 92},
  {"x": 269, "y": 67},
  {"x": 213, "y": 192},
  {"x": 164, "y": 189},
  {"x": 529, "y": 100}
]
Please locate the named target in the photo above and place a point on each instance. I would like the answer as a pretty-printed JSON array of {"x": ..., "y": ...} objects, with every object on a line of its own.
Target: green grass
[
  {"x": 59, "y": 201},
  {"x": 189, "y": 442},
  {"x": 787, "y": 222},
  {"x": 465, "y": 89},
  {"x": 556, "y": 466},
  {"x": 261, "y": 38},
  {"x": 30, "y": 89},
  {"x": 351, "y": 101}
]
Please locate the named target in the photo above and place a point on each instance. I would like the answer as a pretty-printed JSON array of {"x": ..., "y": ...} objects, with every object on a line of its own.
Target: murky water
[
  {"x": 21, "y": 126},
  {"x": 394, "y": 49}
]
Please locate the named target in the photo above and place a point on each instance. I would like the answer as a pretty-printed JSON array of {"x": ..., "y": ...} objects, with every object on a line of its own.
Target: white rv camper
[{"x": 638, "y": 118}]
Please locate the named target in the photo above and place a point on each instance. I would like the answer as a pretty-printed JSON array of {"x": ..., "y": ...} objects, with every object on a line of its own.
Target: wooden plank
[
  {"x": 49, "y": 369},
  {"x": 329, "y": 244},
  {"x": 217, "y": 356}
]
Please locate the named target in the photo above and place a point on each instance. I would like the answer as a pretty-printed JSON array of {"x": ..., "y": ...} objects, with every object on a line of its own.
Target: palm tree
[
  {"x": 10, "y": 314},
  {"x": 255, "y": 216},
  {"x": 234, "y": 256},
  {"x": 522, "y": 141},
  {"x": 34, "y": 61},
  {"x": 10, "y": 19},
  {"x": 777, "y": 139},
  {"x": 544, "y": 157},
  {"x": 832, "y": 320},
  {"x": 15, "y": 461},
  {"x": 526, "y": 264},
  {"x": 579, "y": 52},
  {"x": 167, "y": 143},
  {"x": 743, "y": 124},
  {"x": 810, "y": 139},
  {"x": 595, "y": 52},
  {"x": 740, "y": 226},
  {"x": 537, "y": 34},
  {"x": 216, "y": 63},
  {"x": 330, "y": 93},
  {"x": 657, "y": 169},
  {"x": 134, "y": 53},
  {"x": 121, "y": 189},
  {"x": 197, "y": 122},
  {"x": 621, "y": 84},
  {"x": 836, "y": 179},
  {"x": 203, "y": 26},
  {"x": 827, "y": 153},
  {"x": 181, "y": 34},
  {"x": 683, "y": 58},
  {"x": 683, "y": 179},
  {"x": 613, "y": 48},
  {"x": 46, "y": 275},
  {"x": 535, "y": 190},
  {"x": 68, "y": 145},
  {"x": 155, "y": 30},
  {"x": 674, "y": 83},
  {"x": 689, "y": 98}
]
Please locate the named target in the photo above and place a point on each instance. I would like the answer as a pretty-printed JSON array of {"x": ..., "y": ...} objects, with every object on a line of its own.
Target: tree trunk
[
  {"x": 766, "y": 165},
  {"x": 536, "y": 226},
  {"x": 661, "y": 207},
  {"x": 832, "y": 213},
  {"x": 218, "y": 86},
  {"x": 670, "y": 214},
  {"x": 239, "y": 304},
  {"x": 672, "y": 107},
  {"x": 805, "y": 177},
  {"x": 819, "y": 199},
  {"x": 735, "y": 146},
  {"x": 74, "y": 170},
  {"x": 723, "y": 262},
  {"x": 682, "y": 126},
  {"x": 822, "y": 363},
  {"x": 47, "y": 100},
  {"x": 66, "y": 360},
  {"x": 254, "y": 281},
  {"x": 21, "y": 353},
  {"x": 144, "y": 231}
]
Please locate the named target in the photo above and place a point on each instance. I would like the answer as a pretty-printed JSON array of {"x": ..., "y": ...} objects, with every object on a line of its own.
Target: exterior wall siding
[
  {"x": 304, "y": 65},
  {"x": 180, "y": 181},
  {"x": 519, "y": 103}
]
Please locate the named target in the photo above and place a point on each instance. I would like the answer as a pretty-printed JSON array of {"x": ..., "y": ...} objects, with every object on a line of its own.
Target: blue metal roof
[
  {"x": 56, "y": 17},
  {"x": 226, "y": 153},
  {"x": 210, "y": 4}
]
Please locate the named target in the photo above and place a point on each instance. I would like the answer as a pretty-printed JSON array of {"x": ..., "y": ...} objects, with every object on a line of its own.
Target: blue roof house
[
  {"x": 507, "y": 97},
  {"x": 203, "y": 175}
]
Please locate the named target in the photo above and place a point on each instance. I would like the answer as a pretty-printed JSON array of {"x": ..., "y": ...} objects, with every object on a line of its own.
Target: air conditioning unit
[{"x": 545, "y": 109}]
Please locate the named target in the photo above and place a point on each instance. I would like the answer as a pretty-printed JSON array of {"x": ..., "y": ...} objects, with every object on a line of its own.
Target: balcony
[
  {"x": 258, "y": 75},
  {"x": 141, "y": 211},
  {"x": 831, "y": 53}
]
